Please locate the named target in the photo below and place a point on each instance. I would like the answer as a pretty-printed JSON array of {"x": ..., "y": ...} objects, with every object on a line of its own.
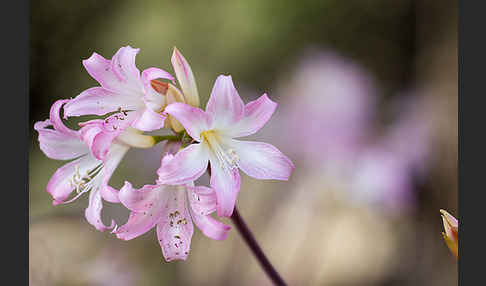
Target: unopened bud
[
  {"x": 185, "y": 77},
  {"x": 451, "y": 227},
  {"x": 174, "y": 95}
]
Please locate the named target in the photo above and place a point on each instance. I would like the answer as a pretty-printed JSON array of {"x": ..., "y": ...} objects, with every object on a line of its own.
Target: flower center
[
  {"x": 227, "y": 158},
  {"x": 84, "y": 182}
]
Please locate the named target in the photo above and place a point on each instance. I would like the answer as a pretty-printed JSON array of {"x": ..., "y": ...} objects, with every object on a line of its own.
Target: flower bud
[
  {"x": 185, "y": 77},
  {"x": 451, "y": 227},
  {"x": 174, "y": 95}
]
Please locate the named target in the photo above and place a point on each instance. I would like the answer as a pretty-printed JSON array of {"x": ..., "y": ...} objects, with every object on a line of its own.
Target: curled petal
[
  {"x": 256, "y": 114},
  {"x": 262, "y": 161},
  {"x": 55, "y": 117},
  {"x": 193, "y": 119},
  {"x": 100, "y": 101},
  {"x": 226, "y": 184},
  {"x": 118, "y": 75},
  {"x": 225, "y": 104},
  {"x": 58, "y": 145},
  {"x": 93, "y": 212},
  {"x": 123, "y": 66},
  {"x": 139, "y": 222},
  {"x": 109, "y": 194},
  {"x": 185, "y": 77},
  {"x": 97, "y": 137},
  {"x": 186, "y": 166},
  {"x": 155, "y": 99},
  {"x": 99, "y": 134},
  {"x": 149, "y": 120},
  {"x": 100, "y": 69},
  {"x": 155, "y": 73},
  {"x": 211, "y": 227},
  {"x": 175, "y": 229},
  {"x": 139, "y": 200},
  {"x": 201, "y": 199}
]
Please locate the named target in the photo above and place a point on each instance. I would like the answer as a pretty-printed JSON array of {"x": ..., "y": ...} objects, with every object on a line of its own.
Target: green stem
[{"x": 160, "y": 138}]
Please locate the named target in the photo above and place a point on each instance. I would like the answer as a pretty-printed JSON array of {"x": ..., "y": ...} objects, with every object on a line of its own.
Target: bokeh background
[{"x": 367, "y": 94}]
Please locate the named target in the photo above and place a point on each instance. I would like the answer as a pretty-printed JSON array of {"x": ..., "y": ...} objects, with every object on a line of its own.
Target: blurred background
[{"x": 367, "y": 94}]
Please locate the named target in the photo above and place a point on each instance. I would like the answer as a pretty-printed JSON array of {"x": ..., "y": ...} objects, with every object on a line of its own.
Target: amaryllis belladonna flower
[
  {"x": 173, "y": 209},
  {"x": 85, "y": 173},
  {"x": 225, "y": 118},
  {"x": 122, "y": 89}
]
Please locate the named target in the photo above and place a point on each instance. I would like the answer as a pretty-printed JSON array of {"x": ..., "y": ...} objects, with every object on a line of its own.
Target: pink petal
[
  {"x": 58, "y": 145},
  {"x": 124, "y": 68},
  {"x": 225, "y": 104},
  {"x": 97, "y": 137},
  {"x": 59, "y": 185},
  {"x": 256, "y": 114},
  {"x": 262, "y": 161},
  {"x": 149, "y": 120},
  {"x": 99, "y": 134},
  {"x": 138, "y": 200},
  {"x": 109, "y": 194},
  {"x": 100, "y": 69},
  {"x": 202, "y": 199},
  {"x": 155, "y": 73},
  {"x": 111, "y": 162},
  {"x": 119, "y": 75},
  {"x": 154, "y": 99},
  {"x": 55, "y": 117},
  {"x": 186, "y": 166},
  {"x": 193, "y": 119},
  {"x": 185, "y": 77},
  {"x": 226, "y": 184},
  {"x": 93, "y": 212},
  {"x": 211, "y": 227},
  {"x": 100, "y": 101},
  {"x": 140, "y": 222},
  {"x": 175, "y": 229}
]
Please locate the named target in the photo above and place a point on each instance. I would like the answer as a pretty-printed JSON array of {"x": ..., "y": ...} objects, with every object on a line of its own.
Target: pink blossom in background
[
  {"x": 173, "y": 209},
  {"x": 382, "y": 179},
  {"x": 328, "y": 108},
  {"x": 225, "y": 118},
  {"x": 410, "y": 133},
  {"x": 387, "y": 171}
]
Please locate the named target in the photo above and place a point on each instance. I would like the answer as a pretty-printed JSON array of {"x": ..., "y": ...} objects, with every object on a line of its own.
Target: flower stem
[
  {"x": 255, "y": 248},
  {"x": 159, "y": 138}
]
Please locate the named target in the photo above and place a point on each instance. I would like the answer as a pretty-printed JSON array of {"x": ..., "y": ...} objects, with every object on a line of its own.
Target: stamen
[
  {"x": 116, "y": 120},
  {"x": 228, "y": 159},
  {"x": 84, "y": 183}
]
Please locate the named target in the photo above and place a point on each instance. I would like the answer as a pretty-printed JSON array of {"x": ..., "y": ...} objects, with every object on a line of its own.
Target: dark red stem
[{"x": 255, "y": 248}]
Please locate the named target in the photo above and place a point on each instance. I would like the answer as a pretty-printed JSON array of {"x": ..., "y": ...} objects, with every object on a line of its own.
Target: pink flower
[
  {"x": 328, "y": 106},
  {"x": 173, "y": 209},
  {"x": 86, "y": 172},
  {"x": 225, "y": 118},
  {"x": 122, "y": 89}
]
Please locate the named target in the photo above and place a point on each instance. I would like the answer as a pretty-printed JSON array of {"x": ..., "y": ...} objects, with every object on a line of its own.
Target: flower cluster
[{"x": 129, "y": 103}]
